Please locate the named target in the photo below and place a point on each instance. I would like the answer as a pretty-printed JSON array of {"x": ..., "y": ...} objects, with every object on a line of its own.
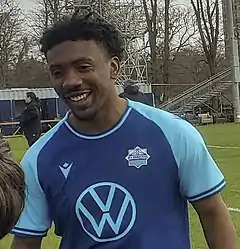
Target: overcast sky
[{"x": 28, "y": 4}]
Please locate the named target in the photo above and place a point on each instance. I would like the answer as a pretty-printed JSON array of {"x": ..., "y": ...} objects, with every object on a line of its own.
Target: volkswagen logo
[{"x": 106, "y": 211}]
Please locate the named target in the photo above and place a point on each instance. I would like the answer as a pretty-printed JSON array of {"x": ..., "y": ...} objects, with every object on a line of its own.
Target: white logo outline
[
  {"x": 65, "y": 168},
  {"x": 106, "y": 208},
  {"x": 137, "y": 157}
]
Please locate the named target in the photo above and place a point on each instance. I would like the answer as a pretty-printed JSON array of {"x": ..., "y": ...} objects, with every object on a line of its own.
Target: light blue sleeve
[
  {"x": 35, "y": 219},
  {"x": 199, "y": 175}
]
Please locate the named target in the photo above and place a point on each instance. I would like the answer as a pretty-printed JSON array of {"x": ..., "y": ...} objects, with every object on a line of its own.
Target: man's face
[
  {"x": 27, "y": 100},
  {"x": 83, "y": 76}
]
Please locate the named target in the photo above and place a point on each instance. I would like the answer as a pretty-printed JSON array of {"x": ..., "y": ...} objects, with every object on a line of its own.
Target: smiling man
[{"x": 115, "y": 173}]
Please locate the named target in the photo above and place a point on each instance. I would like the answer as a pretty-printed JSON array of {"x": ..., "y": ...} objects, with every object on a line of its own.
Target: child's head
[{"x": 12, "y": 189}]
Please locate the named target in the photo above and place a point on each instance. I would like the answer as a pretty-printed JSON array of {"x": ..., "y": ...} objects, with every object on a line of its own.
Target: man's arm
[
  {"x": 216, "y": 222},
  {"x": 26, "y": 243},
  {"x": 201, "y": 181},
  {"x": 35, "y": 220}
]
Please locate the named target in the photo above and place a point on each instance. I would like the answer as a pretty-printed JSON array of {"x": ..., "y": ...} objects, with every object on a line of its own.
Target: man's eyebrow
[{"x": 81, "y": 59}]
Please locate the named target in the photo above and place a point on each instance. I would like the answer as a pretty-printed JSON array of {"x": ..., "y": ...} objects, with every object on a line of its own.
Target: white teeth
[{"x": 79, "y": 97}]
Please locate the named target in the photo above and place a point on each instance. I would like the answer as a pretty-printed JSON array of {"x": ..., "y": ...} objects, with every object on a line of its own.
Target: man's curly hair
[
  {"x": 84, "y": 28},
  {"x": 12, "y": 189}
]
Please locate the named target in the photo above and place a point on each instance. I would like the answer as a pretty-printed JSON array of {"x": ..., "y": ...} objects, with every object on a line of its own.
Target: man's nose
[{"x": 72, "y": 79}]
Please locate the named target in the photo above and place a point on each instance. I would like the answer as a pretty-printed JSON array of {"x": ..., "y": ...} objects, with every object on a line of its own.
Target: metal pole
[{"x": 234, "y": 58}]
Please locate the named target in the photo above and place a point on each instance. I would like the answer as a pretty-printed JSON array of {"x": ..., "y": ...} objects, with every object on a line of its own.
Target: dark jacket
[
  {"x": 30, "y": 119},
  {"x": 133, "y": 93}
]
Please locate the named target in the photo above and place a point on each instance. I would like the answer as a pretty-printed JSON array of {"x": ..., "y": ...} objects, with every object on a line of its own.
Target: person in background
[
  {"x": 132, "y": 92},
  {"x": 12, "y": 189},
  {"x": 30, "y": 119}
]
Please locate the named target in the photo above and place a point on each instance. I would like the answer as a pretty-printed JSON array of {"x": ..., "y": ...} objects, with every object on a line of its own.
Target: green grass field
[{"x": 228, "y": 159}]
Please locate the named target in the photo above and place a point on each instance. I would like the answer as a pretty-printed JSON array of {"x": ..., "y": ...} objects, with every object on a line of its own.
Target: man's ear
[{"x": 115, "y": 67}]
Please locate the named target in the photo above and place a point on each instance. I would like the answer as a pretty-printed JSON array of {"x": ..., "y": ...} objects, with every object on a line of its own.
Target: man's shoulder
[
  {"x": 172, "y": 126},
  {"x": 31, "y": 107},
  {"x": 155, "y": 114}
]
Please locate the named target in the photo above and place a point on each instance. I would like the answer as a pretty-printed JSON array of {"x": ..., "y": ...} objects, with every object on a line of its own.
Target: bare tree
[
  {"x": 207, "y": 15},
  {"x": 151, "y": 14},
  {"x": 45, "y": 14},
  {"x": 21, "y": 56},
  {"x": 50, "y": 11},
  {"x": 11, "y": 39},
  {"x": 183, "y": 29},
  {"x": 175, "y": 27},
  {"x": 170, "y": 28},
  {"x": 179, "y": 29}
]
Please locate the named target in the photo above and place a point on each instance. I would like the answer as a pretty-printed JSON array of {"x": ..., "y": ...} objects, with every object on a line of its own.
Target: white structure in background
[
  {"x": 48, "y": 93},
  {"x": 18, "y": 94},
  {"x": 129, "y": 17},
  {"x": 234, "y": 56},
  {"x": 236, "y": 17}
]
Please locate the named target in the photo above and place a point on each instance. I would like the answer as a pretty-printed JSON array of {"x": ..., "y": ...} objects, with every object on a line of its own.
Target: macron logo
[{"x": 65, "y": 168}]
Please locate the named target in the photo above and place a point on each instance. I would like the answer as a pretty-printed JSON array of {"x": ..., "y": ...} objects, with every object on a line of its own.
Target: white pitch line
[
  {"x": 236, "y": 210},
  {"x": 223, "y": 147}
]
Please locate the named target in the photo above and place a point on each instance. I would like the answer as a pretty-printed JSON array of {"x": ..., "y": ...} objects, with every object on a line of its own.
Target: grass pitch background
[{"x": 224, "y": 137}]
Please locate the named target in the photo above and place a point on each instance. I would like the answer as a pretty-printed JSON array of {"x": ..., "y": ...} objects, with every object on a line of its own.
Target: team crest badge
[{"x": 137, "y": 157}]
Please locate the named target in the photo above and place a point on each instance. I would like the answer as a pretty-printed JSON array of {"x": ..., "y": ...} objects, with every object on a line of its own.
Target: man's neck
[{"x": 106, "y": 120}]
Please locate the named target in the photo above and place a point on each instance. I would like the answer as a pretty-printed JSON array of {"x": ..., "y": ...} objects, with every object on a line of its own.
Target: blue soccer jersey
[{"x": 126, "y": 188}]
